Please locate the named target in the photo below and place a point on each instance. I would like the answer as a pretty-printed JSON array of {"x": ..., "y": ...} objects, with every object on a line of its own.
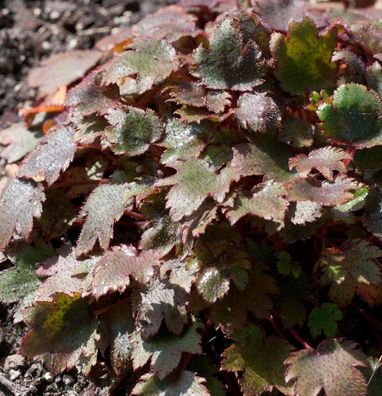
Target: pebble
[
  {"x": 13, "y": 361},
  {"x": 67, "y": 379},
  {"x": 48, "y": 377}
]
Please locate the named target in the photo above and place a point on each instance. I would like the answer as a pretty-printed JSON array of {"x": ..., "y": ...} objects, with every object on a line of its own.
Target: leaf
[
  {"x": 186, "y": 384},
  {"x": 286, "y": 266},
  {"x": 305, "y": 212},
  {"x": 350, "y": 270},
  {"x": 266, "y": 202},
  {"x": 161, "y": 237},
  {"x": 114, "y": 269},
  {"x": 326, "y": 160},
  {"x": 262, "y": 157},
  {"x": 314, "y": 371},
  {"x": 53, "y": 332},
  {"x": 53, "y": 154},
  {"x": 65, "y": 274},
  {"x": 258, "y": 112},
  {"x": 160, "y": 301},
  {"x": 369, "y": 34},
  {"x": 355, "y": 116},
  {"x": 278, "y": 13},
  {"x": 169, "y": 23},
  {"x": 303, "y": 57},
  {"x": 165, "y": 352},
  {"x": 355, "y": 66},
  {"x": 229, "y": 62},
  {"x": 328, "y": 194},
  {"x": 373, "y": 77},
  {"x": 20, "y": 202},
  {"x": 181, "y": 141},
  {"x": 117, "y": 326},
  {"x": 260, "y": 357},
  {"x": 19, "y": 281},
  {"x": 104, "y": 206},
  {"x": 62, "y": 69},
  {"x": 90, "y": 97},
  {"x": 193, "y": 183},
  {"x": 151, "y": 60},
  {"x": 323, "y": 319},
  {"x": 133, "y": 130},
  {"x": 19, "y": 141},
  {"x": 372, "y": 218},
  {"x": 297, "y": 132}
]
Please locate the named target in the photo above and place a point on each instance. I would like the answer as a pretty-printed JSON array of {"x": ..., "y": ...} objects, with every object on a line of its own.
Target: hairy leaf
[
  {"x": 19, "y": 141},
  {"x": 53, "y": 331},
  {"x": 315, "y": 371},
  {"x": 160, "y": 301},
  {"x": 165, "y": 352},
  {"x": 260, "y": 357},
  {"x": 114, "y": 269},
  {"x": 151, "y": 60},
  {"x": 354, "y": 116},
  {"x": 258, "y": 112},
  {"x": 303, "y": 57},
  {"x": 186, "y": 384},
  {"x": 52, "y": 155},
  {"x": 20, "y": 202},
  {"x": 326, "y": 160},
  {"x": 229, "y": 62},
  {"x": 132, "y": 131},
  {"x": 351, "y": 270}
]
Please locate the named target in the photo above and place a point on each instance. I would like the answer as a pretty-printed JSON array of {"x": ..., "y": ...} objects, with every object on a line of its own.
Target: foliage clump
[{"x": 203, "y": 215}]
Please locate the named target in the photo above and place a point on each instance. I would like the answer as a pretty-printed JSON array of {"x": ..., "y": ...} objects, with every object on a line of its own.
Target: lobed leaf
[
  {"x": 20, "y": 202},
  {"x": 324, "y": 319},
  {"x": 53, "y": 154},
  {"x": 315, "y": 371},
  {"x": 303, "y": 57}
]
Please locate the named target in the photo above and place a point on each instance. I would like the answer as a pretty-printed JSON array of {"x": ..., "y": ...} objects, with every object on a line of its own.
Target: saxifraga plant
[{"x": 204, "y": 214}]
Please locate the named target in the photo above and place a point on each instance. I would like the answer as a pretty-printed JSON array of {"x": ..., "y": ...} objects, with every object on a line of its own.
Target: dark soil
[{"x": 31, "y": 30}]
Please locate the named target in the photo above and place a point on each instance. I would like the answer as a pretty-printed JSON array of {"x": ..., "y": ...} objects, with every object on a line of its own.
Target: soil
[{"x": 31, "y": 30}]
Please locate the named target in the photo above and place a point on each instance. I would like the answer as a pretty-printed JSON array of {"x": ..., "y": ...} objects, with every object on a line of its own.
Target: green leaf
[
  {"x": 229, "y": 62},
  {"x": 261, "y": 359},
  {"x": 165, "y": 352},
  {"x": 151, "y": 60},
  {"x": 313, "y": 371},
  {"x": 258, "y": 112},
  {"x": 286, "y": 266},
  {"x": 182, "y": 141},
  {"x": 303, "y": 57},
  {"x": 350, "y": 270},
  {"x": 326, "y": 160},
  {"x": 354, "y": 116},
  {"x": 297, "y": 132},
  {"x": 64, "y": 329},
  {"x": 323, "y": 319},
  {"x": 104, "y": 206},
  {"x": 266, "y": 202},
  {"x": 187, "y": 383},
  {"x": 19, "y": 281},
  {"x": 20, "y": 202},
  {"x": 19, "y": 141},
  {"x": 262, "y": 157},
  {"x": 114, "y": 269},
  {"x": 133, "y": 130},
  {"x": 374, "y": 77},
  {"x": 193, "y": 183}
]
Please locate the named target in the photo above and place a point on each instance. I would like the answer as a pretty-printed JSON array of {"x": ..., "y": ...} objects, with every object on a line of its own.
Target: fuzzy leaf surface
[
  {"x": 20, "y": 202},
  {"x": 315, "y": 371},
  {"x": 52, "y": 155}
]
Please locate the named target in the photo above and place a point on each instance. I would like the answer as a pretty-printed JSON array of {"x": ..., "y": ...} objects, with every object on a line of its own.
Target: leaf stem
[{"x": 298, "y": 338}]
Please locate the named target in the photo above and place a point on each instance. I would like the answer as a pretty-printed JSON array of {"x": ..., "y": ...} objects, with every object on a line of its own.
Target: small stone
[
  {"x": 54, "y": 15},
  {"x": 13, "y": 374},
  {"x": 13, "y": 361},
  {"x": 67, "y": 379},
  {"x": 48, "y": 377}
]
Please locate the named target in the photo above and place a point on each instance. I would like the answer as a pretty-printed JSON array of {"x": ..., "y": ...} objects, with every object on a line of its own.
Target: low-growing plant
[{"x": 203, "y": 215}]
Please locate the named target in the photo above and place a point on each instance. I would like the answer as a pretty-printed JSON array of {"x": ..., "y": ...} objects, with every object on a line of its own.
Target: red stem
[{"x": 299, "y": 339}]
